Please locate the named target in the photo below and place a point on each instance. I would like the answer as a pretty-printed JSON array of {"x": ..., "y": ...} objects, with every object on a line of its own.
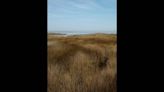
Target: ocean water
[{"x": 82, "y": 32}]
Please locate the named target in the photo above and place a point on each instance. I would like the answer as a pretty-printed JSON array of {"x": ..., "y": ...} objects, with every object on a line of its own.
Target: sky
[{"x": 82, "y": 15}]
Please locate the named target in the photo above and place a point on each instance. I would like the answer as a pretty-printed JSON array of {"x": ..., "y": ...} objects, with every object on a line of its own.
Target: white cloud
[
  {"x": 86, "y": 4},
  {"x": 75, "y": 6}
]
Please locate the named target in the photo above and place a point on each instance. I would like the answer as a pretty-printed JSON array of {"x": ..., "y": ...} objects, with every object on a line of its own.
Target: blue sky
[{"x": 82, "y": 15}]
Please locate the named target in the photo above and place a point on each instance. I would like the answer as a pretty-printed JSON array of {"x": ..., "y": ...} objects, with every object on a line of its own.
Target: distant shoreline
[{"x": 78, "y": 33}]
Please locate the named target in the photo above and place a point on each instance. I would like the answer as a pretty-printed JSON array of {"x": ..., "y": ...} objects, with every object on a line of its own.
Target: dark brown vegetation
[{"x": 85, "y": 63}]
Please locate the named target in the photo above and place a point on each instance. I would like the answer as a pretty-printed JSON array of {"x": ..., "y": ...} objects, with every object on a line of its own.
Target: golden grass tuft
[{"x": 84, "y": 63}]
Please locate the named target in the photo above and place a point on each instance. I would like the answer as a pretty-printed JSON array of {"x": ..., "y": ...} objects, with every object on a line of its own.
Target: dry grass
[{"x": 82, "y": 63}]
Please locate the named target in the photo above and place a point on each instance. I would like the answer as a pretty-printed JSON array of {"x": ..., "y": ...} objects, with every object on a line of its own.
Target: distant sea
[{"x": 82, "y": 32}]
